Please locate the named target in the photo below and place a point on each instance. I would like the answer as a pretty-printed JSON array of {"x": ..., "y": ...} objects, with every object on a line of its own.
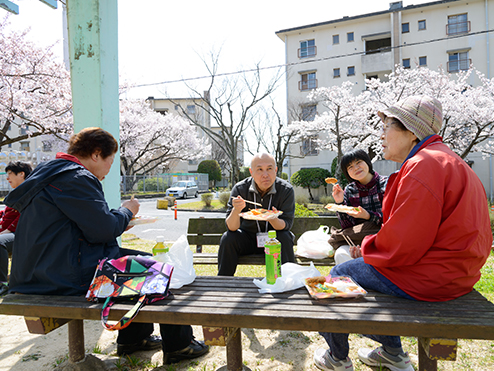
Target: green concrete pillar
[{"x": 93, "y": 50}]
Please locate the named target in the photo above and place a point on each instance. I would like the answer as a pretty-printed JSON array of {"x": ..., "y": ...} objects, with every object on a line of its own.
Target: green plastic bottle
[
  {"x": 272, "y": 248},
  {"x": 160, "y": 247}
]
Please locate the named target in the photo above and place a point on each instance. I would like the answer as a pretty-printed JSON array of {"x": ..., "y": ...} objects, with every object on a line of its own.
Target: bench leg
[
  {"x": 76, "y": 340},
  {"x": 425, "y": 363},
  {"x": 234, "y": 353}
]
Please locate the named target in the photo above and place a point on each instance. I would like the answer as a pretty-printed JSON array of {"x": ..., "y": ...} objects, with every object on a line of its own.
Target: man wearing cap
[{"x": 435, "y": 235}]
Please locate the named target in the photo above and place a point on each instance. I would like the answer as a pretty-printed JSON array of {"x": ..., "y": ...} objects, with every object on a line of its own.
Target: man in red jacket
[
  {"x": 435, "y": 235},
  {"x": 16, "y": 173}
]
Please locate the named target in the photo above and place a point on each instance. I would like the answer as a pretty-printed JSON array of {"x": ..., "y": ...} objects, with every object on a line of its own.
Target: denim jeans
[{"x": 369, "y": 278}]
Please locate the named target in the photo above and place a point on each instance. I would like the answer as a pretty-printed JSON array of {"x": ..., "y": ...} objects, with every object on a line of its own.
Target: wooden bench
[
  {"x": 208, "y": 231},
  {"x": 234, "y": 303}
]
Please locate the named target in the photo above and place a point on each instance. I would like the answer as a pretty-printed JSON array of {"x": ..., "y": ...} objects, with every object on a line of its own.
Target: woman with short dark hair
[{"x": 66, "y": 227}]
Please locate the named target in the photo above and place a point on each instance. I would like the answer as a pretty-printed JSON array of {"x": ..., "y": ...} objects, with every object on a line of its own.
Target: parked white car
[{"x": 183, "y": 189}]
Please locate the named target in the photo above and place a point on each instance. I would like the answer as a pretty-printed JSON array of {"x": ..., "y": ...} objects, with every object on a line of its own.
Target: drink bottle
[
  {"x": 272, "y": 248},
  {"x": 160, "y": 247}
]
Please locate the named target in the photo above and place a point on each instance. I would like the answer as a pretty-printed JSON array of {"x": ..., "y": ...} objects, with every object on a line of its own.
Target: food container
[{"x": 333, "y": 287}]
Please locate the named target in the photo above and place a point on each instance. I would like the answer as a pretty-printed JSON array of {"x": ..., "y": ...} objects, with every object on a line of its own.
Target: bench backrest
[{"x": 208, "y": 231}]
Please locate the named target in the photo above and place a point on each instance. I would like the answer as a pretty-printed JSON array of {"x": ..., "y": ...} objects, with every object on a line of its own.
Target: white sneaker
[
  {"x": 379, "y": 357},
  {"x": 325, "y": 361}
]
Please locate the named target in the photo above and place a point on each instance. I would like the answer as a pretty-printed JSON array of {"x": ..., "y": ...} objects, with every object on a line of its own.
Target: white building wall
[{"x": 414, "y": 44}]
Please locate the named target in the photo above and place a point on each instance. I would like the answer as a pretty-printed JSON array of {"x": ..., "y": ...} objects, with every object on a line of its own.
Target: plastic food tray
[{"x": 348, "y": 288}]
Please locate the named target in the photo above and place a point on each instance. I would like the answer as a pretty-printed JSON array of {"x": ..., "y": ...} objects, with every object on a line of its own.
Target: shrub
[
  {"x": 224, "y": 197},
  {"x": 284, "y": 176},
  {"x": 310, "y": 178},
  {"x": 326, "y": 200},
  {"x": 302, "y": 200},
  {"x": 207, "y": 198},
  {"x": 301, "y": 210},
  {"x": 152, "y": 185}
]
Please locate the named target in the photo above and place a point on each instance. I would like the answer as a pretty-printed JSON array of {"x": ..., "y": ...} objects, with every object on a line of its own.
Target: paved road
[{"x": 167, "y": 225}]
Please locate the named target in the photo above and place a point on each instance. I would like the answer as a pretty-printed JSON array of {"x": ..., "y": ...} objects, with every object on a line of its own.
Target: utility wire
[{"x": 311, "y": 60}]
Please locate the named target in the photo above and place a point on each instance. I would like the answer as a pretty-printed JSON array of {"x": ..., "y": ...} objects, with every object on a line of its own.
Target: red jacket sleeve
[{"x": 9, "y": 219}]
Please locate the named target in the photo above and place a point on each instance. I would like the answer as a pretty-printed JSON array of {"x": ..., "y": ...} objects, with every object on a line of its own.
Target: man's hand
[
  {"x": 238, "y": 204},
  {"x": 133, "y": 205},
  {"x": 273, "y": 216}
]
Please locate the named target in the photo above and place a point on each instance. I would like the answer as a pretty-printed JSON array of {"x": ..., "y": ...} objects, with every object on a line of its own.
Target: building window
[
  {"x": 25, "y": 146},
  {"x": 422, "y": 61},
  {"x": 406, "y": 63},
  {"x": 422, "y": 25},
  {"x": 177, "y": 107},
  {"x": 378, "y": 46},
  {"x": 309, "y": 146},
  {"x": 457, "y": 24},
  {"x": 24, "y": 129},
  {"x": 458, "y": 62},
  {"x": 336, "y": 72},
  {"x": 47, "y": 146},
  {"x": 309, "y": 112},
  {"x": 307, "y": 49},
  {"x": 163, "y": 112},
  {"x": 9, "y": 145},
  {"x": 405, "y": 27},
  {"x": 349, "y": 37},
  {"x": 308, "y": 81},
  {"x": 350, "y": 71},
  {"x": 336, "y": 39},
  {"x": 191, "y": 110}
]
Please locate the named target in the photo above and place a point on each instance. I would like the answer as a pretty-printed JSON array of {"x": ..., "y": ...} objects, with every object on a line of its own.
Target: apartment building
[
  {"x": 194, "y": 108},
  {"x": 450, "y": 34}
]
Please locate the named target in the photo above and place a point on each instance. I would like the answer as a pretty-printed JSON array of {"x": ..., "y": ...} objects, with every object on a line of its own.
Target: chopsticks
[
  {"x": 349, "y": 240},
  {"x": 250, "y": 202}
]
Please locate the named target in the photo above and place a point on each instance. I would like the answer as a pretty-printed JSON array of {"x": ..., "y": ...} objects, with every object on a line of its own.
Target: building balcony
[{"x": 377, "y": 62}]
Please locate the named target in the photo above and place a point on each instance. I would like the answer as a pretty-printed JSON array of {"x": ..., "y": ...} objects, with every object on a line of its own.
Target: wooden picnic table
[{"x": 234, "y": 302}]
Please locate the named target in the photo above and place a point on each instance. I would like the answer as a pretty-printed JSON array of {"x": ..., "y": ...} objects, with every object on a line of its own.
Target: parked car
[{"x": 183, "y": 189}]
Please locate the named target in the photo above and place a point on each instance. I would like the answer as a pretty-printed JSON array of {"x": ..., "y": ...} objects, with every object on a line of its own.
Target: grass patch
[{"x": 199, "y": 205}]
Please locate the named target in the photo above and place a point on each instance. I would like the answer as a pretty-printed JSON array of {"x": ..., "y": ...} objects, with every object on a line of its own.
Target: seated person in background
[
  {"x": 436, "y": 232},
  {"x": 16, "y": 173},
  {"x": 66, "y": 227},
  {"x": 247, "y": 237},
  {"x": 365, "y": 191}
]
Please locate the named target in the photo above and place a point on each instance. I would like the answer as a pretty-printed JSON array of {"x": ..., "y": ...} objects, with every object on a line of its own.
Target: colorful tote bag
[{"x": 134, "y": 278}]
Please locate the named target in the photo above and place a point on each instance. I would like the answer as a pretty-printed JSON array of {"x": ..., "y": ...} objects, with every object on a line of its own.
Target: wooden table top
[{"x": 235, "y": 302}]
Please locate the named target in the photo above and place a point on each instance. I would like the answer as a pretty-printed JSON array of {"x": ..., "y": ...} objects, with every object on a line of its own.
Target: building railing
[
  {"x": 459, "y": 65},
  {"x": 458, "y": 28},
  {"x": 307, "y": 85},
  {"x": 309, "y": 51}
]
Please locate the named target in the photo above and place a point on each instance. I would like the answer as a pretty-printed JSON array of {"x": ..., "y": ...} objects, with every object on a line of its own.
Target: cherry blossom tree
[
  {"x": 35, "y": 90},
  {"x": 149, "y": 139},
  {"x": 341, "y": 123},
  {"x": 350, "y": 121}
]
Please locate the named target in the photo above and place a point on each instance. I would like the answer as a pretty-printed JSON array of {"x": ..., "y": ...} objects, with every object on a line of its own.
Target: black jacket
[
  {"x": 280, "y": 196},
  {"x": 65, "y": 228}
]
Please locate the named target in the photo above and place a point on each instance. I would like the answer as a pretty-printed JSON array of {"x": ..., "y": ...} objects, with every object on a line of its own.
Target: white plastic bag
[
  {"x": 314, "y": 244},
  {"x": 181, "y": 257},
  {"x": 292, "y": 277}
]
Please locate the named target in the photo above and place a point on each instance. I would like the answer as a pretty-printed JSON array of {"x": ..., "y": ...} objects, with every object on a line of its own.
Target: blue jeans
[{"x": 369, "y": 278}]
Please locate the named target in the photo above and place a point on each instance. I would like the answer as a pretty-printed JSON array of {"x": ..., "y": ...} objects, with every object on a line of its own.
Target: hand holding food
[
  {"x": 338, "y": 193},
  {"x": 133, "y": 205},
  {"x": 359, "y": 212},
  {"x": 261, "y": 214},
  {"x": 238, "y": 203},
  {"x": 341, "y": 208}
]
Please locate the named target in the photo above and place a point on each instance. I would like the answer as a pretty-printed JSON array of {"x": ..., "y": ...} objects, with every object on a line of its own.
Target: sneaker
[
  {"x": 4, "y": 289},
  {"x": 194, "y": 350},
  {"x": 325, "y": 361},
  {"x": 379, "y": 357},
  {"x": 150, "y": 343}
]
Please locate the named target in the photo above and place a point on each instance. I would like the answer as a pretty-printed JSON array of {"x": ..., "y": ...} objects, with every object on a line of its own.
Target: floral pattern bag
[{"x": 134, "y": 278}]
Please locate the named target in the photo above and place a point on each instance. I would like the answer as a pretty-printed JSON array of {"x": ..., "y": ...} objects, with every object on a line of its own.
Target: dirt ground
[{"x": 263, "y": 350}]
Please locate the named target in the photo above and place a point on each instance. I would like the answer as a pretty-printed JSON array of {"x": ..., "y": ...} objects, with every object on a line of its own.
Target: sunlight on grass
[{"x": 199, "y": 205}]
